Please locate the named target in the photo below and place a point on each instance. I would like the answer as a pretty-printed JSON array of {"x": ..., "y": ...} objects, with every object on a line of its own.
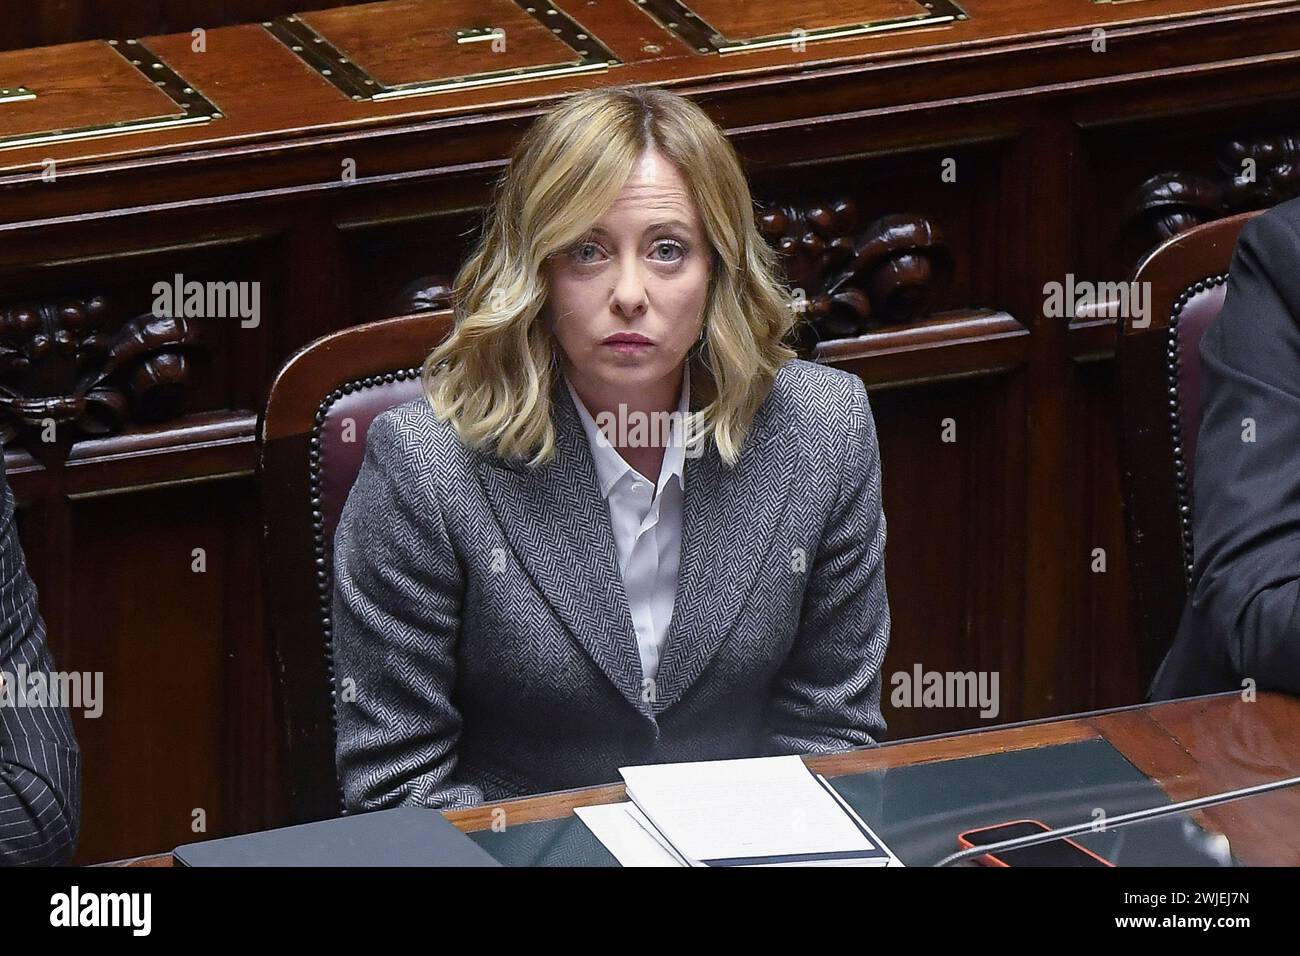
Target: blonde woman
[{"x": 532, "y": 585}]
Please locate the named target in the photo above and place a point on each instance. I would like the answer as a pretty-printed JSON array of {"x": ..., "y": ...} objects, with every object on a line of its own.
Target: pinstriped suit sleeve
[
  {"x": 398, "y": 588},
  {"x": 40, "y": 763},
  {"x": 827, "y": 695}
]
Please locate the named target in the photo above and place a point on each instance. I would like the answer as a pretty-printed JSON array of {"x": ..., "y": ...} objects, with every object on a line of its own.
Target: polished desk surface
[{"x": 919, "y": 793}]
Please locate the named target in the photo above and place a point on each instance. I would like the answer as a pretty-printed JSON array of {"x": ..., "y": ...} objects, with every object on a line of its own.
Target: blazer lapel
[
  {"x": 730, "y": 518},
  {"x": 557, "y": 524}
]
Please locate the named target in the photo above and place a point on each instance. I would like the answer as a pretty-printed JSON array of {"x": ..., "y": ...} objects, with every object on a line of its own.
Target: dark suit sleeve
[
  {"x": 398, "y": 592},
  {"x": 827, "y": 694},
  {"x": 1242, "y": 619},
  {"x": 40, "y": 763}
]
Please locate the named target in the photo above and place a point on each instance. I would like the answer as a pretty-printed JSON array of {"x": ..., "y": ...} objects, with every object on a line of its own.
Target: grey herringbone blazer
[{"x": 484, "y": 647}]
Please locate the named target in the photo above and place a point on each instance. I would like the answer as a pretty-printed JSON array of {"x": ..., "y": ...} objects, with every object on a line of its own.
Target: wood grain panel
[
  {"x": 426, "y": 49},
  {"x": 169, "y": 640},
  {"x": 95, "y": 84}
]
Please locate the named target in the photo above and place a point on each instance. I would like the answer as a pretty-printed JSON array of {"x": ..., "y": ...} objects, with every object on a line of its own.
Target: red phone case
[{"x": 990, "y": 859}]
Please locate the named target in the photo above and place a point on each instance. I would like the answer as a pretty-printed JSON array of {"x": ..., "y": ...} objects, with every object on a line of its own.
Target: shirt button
[{"x": 638, "y": 486}]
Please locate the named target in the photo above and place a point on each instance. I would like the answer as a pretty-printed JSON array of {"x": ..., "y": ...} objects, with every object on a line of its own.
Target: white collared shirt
[{"x": 647, "y": 523}]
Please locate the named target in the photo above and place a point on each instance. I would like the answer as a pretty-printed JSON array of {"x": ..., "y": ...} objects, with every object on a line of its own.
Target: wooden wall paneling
[
  {"x": 1034, "y": 251},
  {"x": 169, "y": 641},
  {"x": 950, "y": 609},
  {"x": 111, "y": 550},
  {"x": 391, "y": 259},
  {"x": 43, "y": 529},
  {"x": 227, "y": 359},
  {"x": 957, "y": 606},
  {"x": 315, "y": 273},
  {"x": 1117, "y": 667},
  {"x": 881, "y": 182}
]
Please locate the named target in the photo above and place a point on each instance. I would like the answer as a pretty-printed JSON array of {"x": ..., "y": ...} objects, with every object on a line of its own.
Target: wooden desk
[{"x": 1190, "y": 748}]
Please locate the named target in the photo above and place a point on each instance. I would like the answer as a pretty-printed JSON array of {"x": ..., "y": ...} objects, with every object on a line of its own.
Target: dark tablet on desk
[{"x": 405, "y": 836}]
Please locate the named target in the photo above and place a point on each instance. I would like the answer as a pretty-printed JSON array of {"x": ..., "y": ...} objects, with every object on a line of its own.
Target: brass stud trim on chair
[{"x": 1173, "y": 368}]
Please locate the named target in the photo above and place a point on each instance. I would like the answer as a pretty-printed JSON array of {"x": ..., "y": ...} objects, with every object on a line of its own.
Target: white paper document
[
  {"x": 758, "y": 811},
  {"x": 629, "y": 841}
]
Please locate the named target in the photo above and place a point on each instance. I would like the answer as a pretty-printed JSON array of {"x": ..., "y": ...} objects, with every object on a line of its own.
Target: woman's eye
[
  {"x": 577, "y": 251},
  {"x": 665, "y": 251},
  {"x": 671, "y": 247}
]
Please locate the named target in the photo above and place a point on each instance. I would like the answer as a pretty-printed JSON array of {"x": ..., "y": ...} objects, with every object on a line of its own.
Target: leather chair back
[
  {"x": 311, "y": 439},
  {"x": 1159, "y": 369}
]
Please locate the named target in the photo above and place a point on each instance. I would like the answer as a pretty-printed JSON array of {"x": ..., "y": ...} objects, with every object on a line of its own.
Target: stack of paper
[{"x": 758, "y": 811}]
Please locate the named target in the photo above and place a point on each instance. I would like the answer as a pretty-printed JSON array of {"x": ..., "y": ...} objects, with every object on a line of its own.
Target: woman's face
[{"x": 627, "y": 301}]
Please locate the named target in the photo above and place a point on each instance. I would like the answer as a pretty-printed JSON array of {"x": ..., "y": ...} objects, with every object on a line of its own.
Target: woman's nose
[{"x": 630, "y": 290}]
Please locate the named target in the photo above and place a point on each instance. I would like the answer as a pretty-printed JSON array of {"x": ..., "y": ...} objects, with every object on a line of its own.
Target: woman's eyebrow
[
  {"x": 600, "y": 231},
  {"x": 669, "y": 222}
]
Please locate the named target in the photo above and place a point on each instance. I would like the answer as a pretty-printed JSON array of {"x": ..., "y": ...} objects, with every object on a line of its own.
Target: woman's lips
[{"x": 628, "y": 343}]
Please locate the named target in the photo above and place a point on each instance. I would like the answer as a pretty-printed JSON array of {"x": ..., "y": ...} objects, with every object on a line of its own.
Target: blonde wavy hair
[{"x": 493, "y": 376}]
